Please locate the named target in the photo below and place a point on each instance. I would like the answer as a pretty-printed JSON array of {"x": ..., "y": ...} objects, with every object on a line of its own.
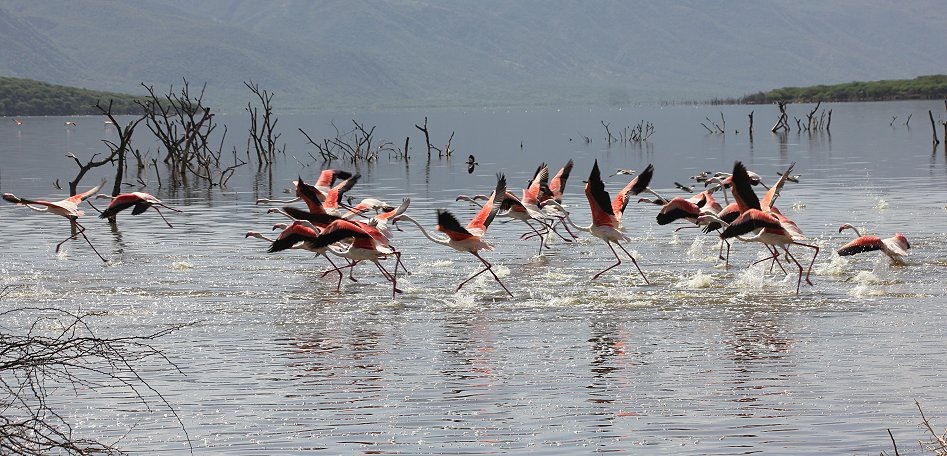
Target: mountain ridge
[{"x": 394, "y": 53}]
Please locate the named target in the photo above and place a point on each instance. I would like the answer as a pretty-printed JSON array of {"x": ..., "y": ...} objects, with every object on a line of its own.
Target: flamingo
[
  {"x": 67, "y": 207},
  {"x": 688, "y": 208},
  {"x": 367, "y": 245},
  {"x": 381, "y": 221},
  {"x": 896, "y": 247},
  {"x": 528, "y": 208},
  {"x": 469, "y": 239},
  {"x": 298, "y": 235},
  {"x": 557, "y": 184},
  {"x": 762, "y": 218},
  {"x": 141, "y": 201},
  {"x": 323, "y": 184},
  {"x": 605, "y": 223}
]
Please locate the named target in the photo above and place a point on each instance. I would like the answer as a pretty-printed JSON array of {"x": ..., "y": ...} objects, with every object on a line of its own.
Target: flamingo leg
[
  {"x": 811, "y": 263},
  {"x": 487, "y": 267},
  {"x": 336, "y": 269},
  {"x": 633, "y": 261},
  {"x": 798, "y": 281},
  {"x": 542, "y": 238},
  {"x": 609, "y": 244},
  {"x": 391, "y": 278},
  {"x": 552, "y": 227},
  {"x": 162, "y": 217},
  {"x": 685, "y": 227},
  {"x": 80, "y": 230}
]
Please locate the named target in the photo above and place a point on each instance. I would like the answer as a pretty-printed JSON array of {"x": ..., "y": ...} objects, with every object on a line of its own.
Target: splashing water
[
  {"x": 836, "y": 267},
  {"x": 181, "y": 266},
  {"x": 698, "y": 280}
]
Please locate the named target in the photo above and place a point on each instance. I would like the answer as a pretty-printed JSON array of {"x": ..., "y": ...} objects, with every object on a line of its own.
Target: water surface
[{"x": 705, "y": 360}]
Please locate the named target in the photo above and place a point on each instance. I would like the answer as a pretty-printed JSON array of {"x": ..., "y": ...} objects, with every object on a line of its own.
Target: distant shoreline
[
  {"x": 27, "y": 97},
  {"x": 930, "y": 87}
]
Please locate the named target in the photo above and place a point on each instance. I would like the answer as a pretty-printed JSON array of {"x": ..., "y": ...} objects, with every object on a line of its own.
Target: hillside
[
  {"x": 402, "y": 53},
  {"x": 25, "y": 97}
]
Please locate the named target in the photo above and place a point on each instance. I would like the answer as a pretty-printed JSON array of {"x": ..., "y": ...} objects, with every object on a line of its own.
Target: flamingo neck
[{"x": 442, "y": 241}]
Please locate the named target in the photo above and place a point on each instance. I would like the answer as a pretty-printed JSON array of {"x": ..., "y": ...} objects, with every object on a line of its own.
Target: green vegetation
[
  {"x": 26, "y": 97},
  {"x": 922, "y": 87}
]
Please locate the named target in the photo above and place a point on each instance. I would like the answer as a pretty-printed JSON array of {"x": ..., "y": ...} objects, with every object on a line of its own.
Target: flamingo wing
[
  {"x": 558, "y": 183},
  {"x": 119, "y": 204},
  {"x": 490, "y": 209},
  {"x": 86, "y": 194},
  {"x": 742, "y": 188},
  {"x": 448, "y": 224},
  {"x": 636, "y": 186},
  {"x": 749, "y": 221},
  {"x": 861, "y": 244},
  {"x": 396, "y": 211},
  {"x": 676, "y": 209},
  {"x": 599, "y": 201},
  {"x": 328, "y": 176},
  {"x": 770, "y": 197},
  {"x": 335, "y": 194},
  {"x": 320, "y": 219},
  {"x": 310, "y": 195},
  {"x": 537, "y": 186}
]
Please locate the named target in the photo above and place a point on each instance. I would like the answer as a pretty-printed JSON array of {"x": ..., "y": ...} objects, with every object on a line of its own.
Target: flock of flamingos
[{"x": 363, "y": 232}]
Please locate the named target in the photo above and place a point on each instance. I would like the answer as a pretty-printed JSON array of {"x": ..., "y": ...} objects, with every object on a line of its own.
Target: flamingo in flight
[
  {"x": 67, "y": 207},
  {"x": 470, "y": 238},
  {"x": 323, "y": 184},
  {"x": 141, "y": 201},
  {"x": 762, "y": 218},
  {"x": 528, "y": 207},
  {"x": 896, "y": 247},
  {"x": 298, "y": 235},
  {"x": 368, "y": 244},
  {"x": 605, "y": 222}
]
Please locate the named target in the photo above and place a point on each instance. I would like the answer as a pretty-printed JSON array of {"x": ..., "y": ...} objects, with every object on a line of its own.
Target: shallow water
[{"x": 704, "y": 360}]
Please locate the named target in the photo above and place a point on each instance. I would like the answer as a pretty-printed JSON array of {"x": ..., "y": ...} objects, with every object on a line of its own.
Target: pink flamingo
[
  {"x": 141, "y": 201},
  {"x": 896, "y": 247},
  {"x": 605, "y": 223},
  {"x": 470, "y": 239},
  {"x": 762, "y": 218},
  {"x": 67, "y": 207}
]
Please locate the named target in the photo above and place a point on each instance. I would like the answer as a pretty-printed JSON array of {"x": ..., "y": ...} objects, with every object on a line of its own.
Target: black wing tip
[{"x": 339, "y": 174}]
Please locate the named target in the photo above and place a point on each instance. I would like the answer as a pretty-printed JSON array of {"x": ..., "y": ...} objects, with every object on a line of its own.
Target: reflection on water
[{"x": 706, "y": 360}]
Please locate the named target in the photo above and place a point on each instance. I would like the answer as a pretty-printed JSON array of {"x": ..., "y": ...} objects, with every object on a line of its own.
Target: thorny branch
[{"x": 60, "y": 348}]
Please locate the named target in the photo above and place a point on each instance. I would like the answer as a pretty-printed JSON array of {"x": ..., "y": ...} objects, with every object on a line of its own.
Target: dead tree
[
  {"x": 608, "y": 133},
  {"x": 717, "y": 128},
  {"x": 185, "y": 127},
  {"x": 811, "y": 124},
  {"x": 121, "y": 149},
  {"x": 783, "y": 122},
  {"x": 354, "y": 145},
  {"x": 641, "y": 132},
  {"x": 427, "y": 137},
  {"x": 933, "y": 127},
  {"x": 61, "y": 349},
  {"x": 263, "y": 136}
]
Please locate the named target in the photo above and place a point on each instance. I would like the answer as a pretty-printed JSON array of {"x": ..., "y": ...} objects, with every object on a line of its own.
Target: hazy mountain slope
[{"x": 422, "y": 52}]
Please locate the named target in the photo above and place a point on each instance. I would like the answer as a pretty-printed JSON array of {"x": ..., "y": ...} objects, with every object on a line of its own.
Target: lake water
[{"x": 704, "y": 360}]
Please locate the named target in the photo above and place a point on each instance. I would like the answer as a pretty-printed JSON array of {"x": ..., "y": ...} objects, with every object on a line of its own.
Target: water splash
[
  {"x": 881, "y": 204},
  {"x": 837, "y": 266},
  {"x": 698, "y": 280},
  {"x": 182, "y": 266}
]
